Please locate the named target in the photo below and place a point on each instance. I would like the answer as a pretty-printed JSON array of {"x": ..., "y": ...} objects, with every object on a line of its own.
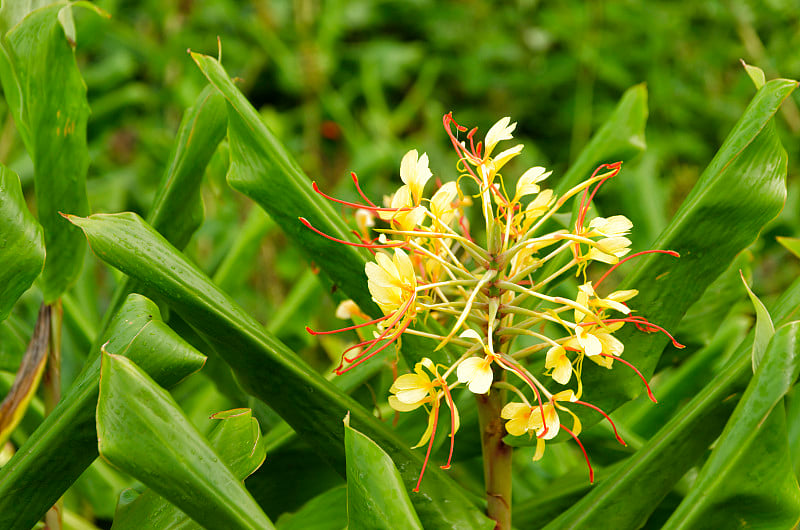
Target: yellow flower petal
[
  {"x": 415, "y": 173},
  {"x": 476, "y": 372},
  {"x": 497, "y": 133},
  {"x": 562, "y": 367},
  {"x": 399, "y": 406}
]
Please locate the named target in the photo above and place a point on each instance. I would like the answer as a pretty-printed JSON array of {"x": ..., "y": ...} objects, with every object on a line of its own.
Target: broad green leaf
[
  {"x": 376, "y": 496},
  {"x": 326, "y": 511},
  {"x": 749, "y": 477},
  {"x": 620, "y": 138},
  {"x": 630, "y": 494},
  {"x": 238, "y": 442},
  {"x": 65, "y": 443},
  {"x": 141, "y": 430},
  {"x": 264, "y": 366},
  {"x": 21, "y": 243},
  {"x": 15, "y": 403},
  {"x": 263, "y": 169},
  {"x": 710, "y": 228},
  {"x": 36, "y": 57},
  {"x": 764, "y": 327},
  {"x": 792, "y": 244},
  {"x": 177, "y": 210}
]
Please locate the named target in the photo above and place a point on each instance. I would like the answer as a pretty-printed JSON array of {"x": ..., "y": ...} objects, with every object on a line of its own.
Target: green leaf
[
  {"x": 263, "y": 169},
  {"x": 141, "y": 430},
  {"x": 756, "y": 74},
  {"x": 326, "y": 511},
  {"x": 21, "y": 243},
  {"x": 620, "y": 138},
  {"x": 177, "y": 210},
  {"x": 15, "y": 403},
  {"x": 238, "y": 442},
  {"x": 749, "y": 477},
  {"x": 264, "y": 366},
  {"x": 37, "y": 56},
  {"x": 792, "y": 244},
  {"x": 376, "y": 496},
  {"x": 65, "y": 444},
  {"x": 764, "y": 328},
  {"x": 634, "y": 490},
  {"x": 710, "y": 228}
]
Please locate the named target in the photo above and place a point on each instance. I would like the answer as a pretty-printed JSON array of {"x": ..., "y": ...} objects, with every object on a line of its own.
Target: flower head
[{"x": 488, "y": 283}]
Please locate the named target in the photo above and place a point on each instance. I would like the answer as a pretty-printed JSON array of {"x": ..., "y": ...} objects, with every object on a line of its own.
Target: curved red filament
[
  {"x": 585, "y": 456},
  {"x": 632, "y": 367}
]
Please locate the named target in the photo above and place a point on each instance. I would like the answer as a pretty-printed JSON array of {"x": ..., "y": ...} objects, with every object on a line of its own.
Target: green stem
[{"x": 496, "y": 456}]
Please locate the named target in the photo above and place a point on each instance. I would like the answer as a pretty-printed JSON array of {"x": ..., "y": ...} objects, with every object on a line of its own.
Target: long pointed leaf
[
  {"x": 177, "y": 210},
  {"x": 262, "y": 169},
  {"x": 620, "y": 137}
]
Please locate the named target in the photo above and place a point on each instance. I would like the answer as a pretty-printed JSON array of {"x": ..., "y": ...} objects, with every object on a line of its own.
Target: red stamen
[
  {"x": 620, "y": 262},
  {"x": 452, "y": 406},
  {"x": 632, "y": 367},
  {"x": 342, "y": 241},
  {"x": 354, "y": 204},
  {"x": 584, "y": 203},
  {"x": 366, "y": 354},
  {"x": 585, "y": 456},
  {"x": 371, "y": 355},
  {"x": 464, "y": 229},
  {"x": 598, "y": 409},
  {"x": 460, "y": 150},
  {"x": 311, "y": 331},
  {"x": 358, "y": 187},
  {"x": 642, "y": 324},
  {"x": 430, "y": 444}
]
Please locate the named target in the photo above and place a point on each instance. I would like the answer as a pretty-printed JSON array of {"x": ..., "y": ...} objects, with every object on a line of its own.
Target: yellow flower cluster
[{"x": 486, "y": 294}]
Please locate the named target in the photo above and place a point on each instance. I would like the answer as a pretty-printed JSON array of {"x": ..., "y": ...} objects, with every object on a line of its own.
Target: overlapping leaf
[
  {"x": 177, "y": 210},
  {"x": 65, "y": 444},
  {"x": 238, "y": 442},
  {"x": 141, "y": 430},
  {"x": 263, "y": 169}
]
